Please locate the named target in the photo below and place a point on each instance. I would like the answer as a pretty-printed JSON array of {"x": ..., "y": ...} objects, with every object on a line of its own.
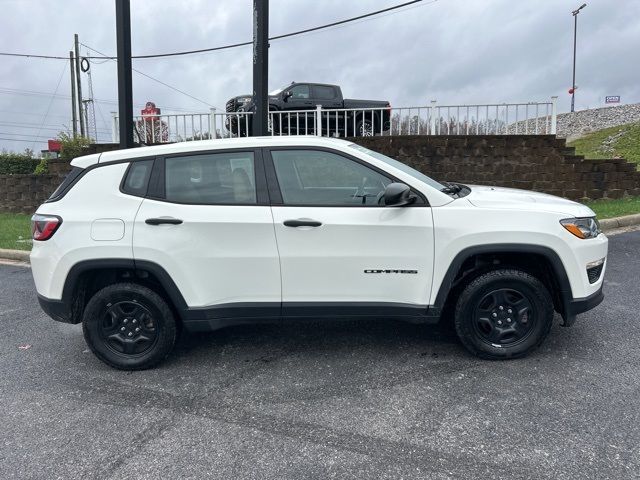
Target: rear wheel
[
  {"x": 365, "y": 128},
  {"x": 129, "y": 326},
  {"x": 503, "y": 314}
]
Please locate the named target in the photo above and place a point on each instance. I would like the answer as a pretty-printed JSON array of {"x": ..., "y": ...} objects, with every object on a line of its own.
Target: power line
[
  {"x": 26, "y": 124},
  {"x": 233, "y": 45},
  {"x": 50, "y": 127},
  {"x": 31, "y": 93},
  {"x": 24, "y": 135},
  {"x": 29, "y": 55},
  {"x": 152, "y": 78},
  {"x": 19, "y": 140},
  {"x": 33, "y": 114},
  {"x": 44, "y": 118}
]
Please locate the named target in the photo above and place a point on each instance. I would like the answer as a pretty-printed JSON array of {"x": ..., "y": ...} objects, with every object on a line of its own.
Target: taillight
[{"x": 44, "y": 226}]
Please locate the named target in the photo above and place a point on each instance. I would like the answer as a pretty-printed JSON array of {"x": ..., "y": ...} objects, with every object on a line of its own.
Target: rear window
[
  {"x": 324, "y": 93},
  {"x": 66, "y": 184}
]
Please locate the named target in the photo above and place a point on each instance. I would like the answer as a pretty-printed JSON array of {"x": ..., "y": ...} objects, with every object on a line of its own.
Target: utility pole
[
  {"x": 260, "y": 66},
  {"x": 74, "y": 118},
  {"x": 575, "y": 34},
  {"x": 79, "y": 83},
  {"x": 125, "y": 88}
]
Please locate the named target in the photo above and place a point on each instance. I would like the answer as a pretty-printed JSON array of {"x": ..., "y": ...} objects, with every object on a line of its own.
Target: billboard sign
[{"x": 612, "y": 99}]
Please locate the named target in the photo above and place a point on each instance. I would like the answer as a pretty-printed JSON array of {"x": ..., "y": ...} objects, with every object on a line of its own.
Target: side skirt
[{"x": 220, "y": 316}]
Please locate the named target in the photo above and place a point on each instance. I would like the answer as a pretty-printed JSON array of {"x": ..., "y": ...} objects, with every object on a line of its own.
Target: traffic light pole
[
  {"x": 125, "y": 88},
  {"x": 260, "y": 67}
]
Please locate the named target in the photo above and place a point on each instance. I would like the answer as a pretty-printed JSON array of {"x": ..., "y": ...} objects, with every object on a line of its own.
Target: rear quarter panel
[{"x": 91, "y": 213}]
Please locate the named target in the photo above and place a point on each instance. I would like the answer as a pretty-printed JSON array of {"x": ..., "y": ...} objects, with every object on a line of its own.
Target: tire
[
  {"x": 503, "y": 314},
  {"x": 365, "y": 128},
  {"x": 110, "y": 321}
]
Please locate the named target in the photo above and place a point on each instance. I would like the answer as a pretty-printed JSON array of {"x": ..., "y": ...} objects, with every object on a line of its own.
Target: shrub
[
  {"x": 17, "y": 163},
  {"x": 72, "y": 147},
  {"x": 42, "y": 168}
]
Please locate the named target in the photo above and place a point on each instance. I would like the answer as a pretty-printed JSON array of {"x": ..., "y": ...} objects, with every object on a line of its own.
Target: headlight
[{"x": 582, "y": 227}]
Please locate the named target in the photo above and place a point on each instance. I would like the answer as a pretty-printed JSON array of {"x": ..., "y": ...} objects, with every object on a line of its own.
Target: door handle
[
  {"x": 302, "y": 222},
  {"x": 163, "y": 221}
]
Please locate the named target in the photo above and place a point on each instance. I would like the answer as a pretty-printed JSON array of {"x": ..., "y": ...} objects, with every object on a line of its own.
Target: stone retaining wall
[{"x": 534, "y": 162}]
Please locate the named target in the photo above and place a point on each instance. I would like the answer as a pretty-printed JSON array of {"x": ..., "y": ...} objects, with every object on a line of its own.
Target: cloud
[{"x": 455, "y": 51}]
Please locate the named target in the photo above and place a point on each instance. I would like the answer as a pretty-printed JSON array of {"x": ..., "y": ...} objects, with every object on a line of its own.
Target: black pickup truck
[{"x": 292, "y": 111}]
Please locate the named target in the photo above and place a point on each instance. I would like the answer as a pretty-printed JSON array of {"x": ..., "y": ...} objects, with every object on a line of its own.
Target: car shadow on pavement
[{"x": 335, "y": 338}]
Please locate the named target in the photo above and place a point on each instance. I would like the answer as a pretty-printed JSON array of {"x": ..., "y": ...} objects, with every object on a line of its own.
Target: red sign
[
  {"x": 150, "y": 110},
  {"x": 54, "y": 145}
]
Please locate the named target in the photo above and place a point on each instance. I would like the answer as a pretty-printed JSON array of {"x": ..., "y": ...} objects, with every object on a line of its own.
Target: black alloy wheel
[
  {"x": 129, "y": 326},
  {"x": 504, "y": 317},
  {"x": 504, "y": 313}
]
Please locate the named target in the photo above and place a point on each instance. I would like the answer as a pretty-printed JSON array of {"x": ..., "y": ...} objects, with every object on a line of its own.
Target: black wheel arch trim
[
  {"x": 62, "y": 310},
  {"x": 568, "y": 313}
]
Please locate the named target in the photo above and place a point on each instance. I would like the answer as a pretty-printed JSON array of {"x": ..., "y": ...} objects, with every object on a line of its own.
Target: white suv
[{"x": 137, "y": 244}]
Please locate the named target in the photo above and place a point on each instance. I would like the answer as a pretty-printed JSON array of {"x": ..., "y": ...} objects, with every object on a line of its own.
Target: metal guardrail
[{"x": 538, "y": 118}]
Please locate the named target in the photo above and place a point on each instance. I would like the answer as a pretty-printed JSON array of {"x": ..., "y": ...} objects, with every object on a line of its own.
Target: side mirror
[
  {"x": 286, "y": 95},
  {"x": 398, "y": 195}
]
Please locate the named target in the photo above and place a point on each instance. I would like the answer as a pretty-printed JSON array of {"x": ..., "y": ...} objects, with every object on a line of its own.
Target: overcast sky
[{"x": 453, "y": 51}]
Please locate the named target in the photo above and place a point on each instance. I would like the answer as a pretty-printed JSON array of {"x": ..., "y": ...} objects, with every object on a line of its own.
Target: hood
[
  {"x": 250, "y": 97},
  {"x": 514, "y": 199},
  {"x": 239, "y": 97}
]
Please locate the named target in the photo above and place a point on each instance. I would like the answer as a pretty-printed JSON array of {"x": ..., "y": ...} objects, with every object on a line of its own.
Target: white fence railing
[{"x": 534, "y": 118}]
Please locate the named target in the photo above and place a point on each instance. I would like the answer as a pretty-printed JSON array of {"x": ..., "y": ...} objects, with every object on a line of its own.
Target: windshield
[
  {"x": 276, "y": 91},
  {"x": 400, "y": 166}
]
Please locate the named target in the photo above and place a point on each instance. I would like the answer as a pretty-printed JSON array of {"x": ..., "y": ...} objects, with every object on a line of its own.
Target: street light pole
[{"x": 575, "y": 34}]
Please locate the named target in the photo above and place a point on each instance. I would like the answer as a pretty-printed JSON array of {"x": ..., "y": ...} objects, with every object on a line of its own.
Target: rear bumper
[
  {"x": 581, "y": 305},
  {"x": 56, "y": 309}
]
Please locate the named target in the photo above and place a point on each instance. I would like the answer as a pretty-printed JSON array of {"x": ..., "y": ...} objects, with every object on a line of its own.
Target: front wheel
[
  {"x": 503, "y": 314},
  {"x": 129, "y": 326}
]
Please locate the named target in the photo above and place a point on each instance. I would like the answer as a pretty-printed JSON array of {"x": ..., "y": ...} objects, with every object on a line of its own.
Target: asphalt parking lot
[{"x": 352, "y": 399}]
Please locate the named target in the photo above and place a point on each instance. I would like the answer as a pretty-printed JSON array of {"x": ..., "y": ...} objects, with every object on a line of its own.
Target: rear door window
[
  {"x": 211, "y": 179},
  {"x": 323, "y": 92}
]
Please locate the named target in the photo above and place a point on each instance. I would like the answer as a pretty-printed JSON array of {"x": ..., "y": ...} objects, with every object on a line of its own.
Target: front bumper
[{"x": 581, "y": 305}]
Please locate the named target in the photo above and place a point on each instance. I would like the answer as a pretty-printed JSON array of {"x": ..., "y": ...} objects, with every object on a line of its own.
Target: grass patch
[
  {"x": 615, "y": 208},
  {"x": 622, "y": 141},
  {"x": 15, "y": 231}
]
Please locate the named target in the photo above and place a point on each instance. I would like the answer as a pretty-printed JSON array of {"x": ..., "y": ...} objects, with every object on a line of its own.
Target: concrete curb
[
  {"x": 19, "y": 255},
  {"x": 607, "y": 225},
  {"x": 619, "y": 222}
]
